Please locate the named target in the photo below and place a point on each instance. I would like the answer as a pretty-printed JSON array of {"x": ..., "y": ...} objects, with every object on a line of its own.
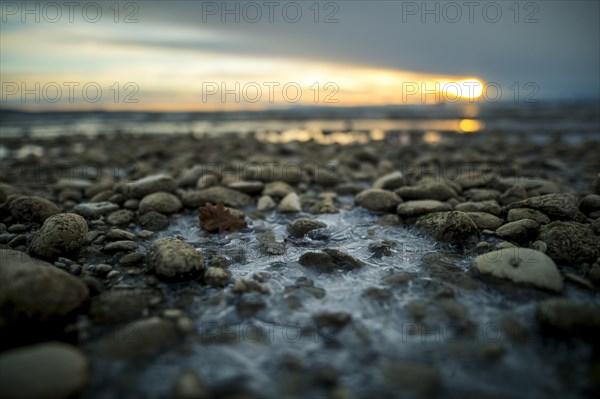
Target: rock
[
  {"x": 521, "y": 231},
  {"x": 249, "y": 307},
  {"x": 427, "y": 191},
  {"x": 121, "y": 217},
  {"x": 329, "y": 260},
  {"x": 118, "y": 234},
  {"x": 160, "y": 202},
  {"x": 216, "y": 277},
  {"x": 150, "y": 184},
  {"x": 207, "y": 181},
  {"x": 400, "y": 278},
  {"x": 93, "y": 210},
  {"x": 173, "y": 259},
  {"x": 419, "y": 379},
  {"x": 391, "y": 181},
  {"x": 332, "y": 319},
  {"x": 188, "y": 386},
  {"x": 265, "y": 203},
  {"x": 421, "y": 207},
  {"x": 453, "y": 227},
  {"x": 513, "y": 194},
  {"x": 481, "y": 194},
  {"x": 132, "y": 258},
  {"x": 590, "y": 203},
  {"x": 526, "y": 213},
  {"x": 490, "y": 206},
  {"x": 485, "y": 220},
  {"x": 60, "y": 234},
  {"x": 377, "y": 200},
  {"x": 114, "y": 307},
  {"x": 250, "y": 187},
  {"x": 301, "y": 226},
  {"x": 522, "y": 266},
  {"x": 290, "y": 204},
  {"x": 568, "y": 318},
  {"x": 122, "y": 245},
  {"x": 153, "y": 221},
  {"x": 190, "y": 176},
  {"x": 7, "y": 190},
  {"x": 50, "y": 370},
  {"x": 570, "y": 242},
  {"x": 137, "y": 340},
  {"x": 556, "y": 206},
  {"x": 32, "y": 209},
  {"x": 277, "y": 189},
  {"x": 343, "y": 260},
  {"x": 35, "y": 290},
  {"x": 229, "y": 197},
  {"x": 440, "y": 266},
  {"x": 595, "y": 226}
]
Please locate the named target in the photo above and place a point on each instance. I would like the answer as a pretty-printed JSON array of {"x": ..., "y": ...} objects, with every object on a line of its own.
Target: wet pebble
[
  {"x": 377, "y": 200},
  {"x": 153, "y": 221},
  {"x": 570, "y": 242},
  {"x": 173, "y": 259},
  {"x": 32, "y": 209},
  {"x": 60, "y": 234},
  {"x": 299, "y": 227}
]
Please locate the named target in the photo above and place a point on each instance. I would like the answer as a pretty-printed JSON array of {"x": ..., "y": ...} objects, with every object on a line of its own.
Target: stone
[
  {"x": 34, "y": 290},
  {"x": 150, "y": 184},
  {"x": 569, "y": 318},
  {"x": 119, "y": 306},
  {"x": 421, "y": 207},
  {"x": 521, "y": 231},
  {"x": 121, "y": 217},
  {"x": 32, "y": 209},
  {"x": 277, "y": 189},
  {"x": 122, "y": 245},
  {"x": 481, "y": 194},
  {"x": 419, "y": 379},
  {"x": 60, "y": 234},
  {"x": 377, "y": 200},
  {"x": 453, "y": 227},
  {"x": 301, "y": 226},
  {"x": 216, "y": 277},
  {"x": 490, "y": 206},
  {"x": 329, "y": 260},
  {"x": 427, "y": 191},
  {"x": 513, "y": 194},
  {"x": 249, "y": 187},
  {"x": 521, "y": 266},
  {"x": 189, "y": 386},
  {"x": 229, "y": 197},
  {"x": 206, "y": 181},
  {"x": 153, "y": 221},
  {"x": 556, "y": 206},
  {"x": 118, "y": 234},
  {"x": 93, "y": 210},
  {"x": 173, "y": 259},
  {"x": 160, "y": 202},
  {"x": 485, "y": 220},
  {"x": 570, "y": 242},
  {"x": 526, "y": 213},
  {"x": 391, "y": 181},
  {"x": 590, "y": 203},
  {"x": 290, "y": 204},
  {"x": 49, "y": 370},
  {"x": 265, "y": 203}
]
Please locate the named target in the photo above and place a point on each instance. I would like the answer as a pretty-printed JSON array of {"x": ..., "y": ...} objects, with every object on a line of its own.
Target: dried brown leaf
[{"x": 218, "y": 218}]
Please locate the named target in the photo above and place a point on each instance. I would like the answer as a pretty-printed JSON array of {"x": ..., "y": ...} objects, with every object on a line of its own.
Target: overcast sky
[{"x": 550, "y": 49}]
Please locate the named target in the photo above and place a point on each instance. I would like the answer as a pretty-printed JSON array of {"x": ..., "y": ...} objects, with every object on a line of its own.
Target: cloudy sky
[{"x": 186, "y": 55}]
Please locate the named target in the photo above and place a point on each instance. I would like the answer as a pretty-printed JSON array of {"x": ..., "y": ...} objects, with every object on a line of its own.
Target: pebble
[
  {"x": 516, "y": 214},
  {"x": 522, "y": 266},
  {"x": 118, "y": 234},
  {"x": 150, "y": 184},
  {"x": 119, "y": 306},
  {"x": 332, "y": 319},
  {"x": 17, "y": 228},
  {"x": 190, "y": 176},
  {"x": 49, "y": 370},
  {"x": 570, "y": 242},
  {"x": 329, "y": 260},
  {"x": 249, "y": 187},
  {"x": 277, "y": 189},
  {"x": 36, "y": 290},
  {"x": 454, "y": 227},
  {"x": 132, "y": 258},
  {"x": 590, "y": 203},
  {"x": 173, "y": 259},
  {"x": 93, "y": 210},
  {"x": 421, "y": 207},
  {"x": 391, "y": 181},
  {"x": 206, "y": 181},
  {"x": 427, "y": 191},
  {"x": 556, "y": 206},
  {"x": 153, "y": 221},
  {"x": 60, "y": 234},
  {"x": 521, "y": 231},
  {"x": 123, "y": 245},
  {"x": 217, "y": 277},
  {"x": 229, "y": 197},
  {"x": 290, "y": 204},
  {"x": 485, "y": 220},
  {"x": 131, "y": 204},
  {"x": 32, "y": 209},
  {"x": 301, "y": 226},
  {"x": 377, "y": 200},
  {"x": 121, "y": 217},
  {"x": 419, "y": 379},
  {"x": 569, "y": 318},
  {"x": 490, "y": 206},
  {"x": 188, "y": 386},
  {"x": 160, "y": 202},
  {"x": 265, "y": 203},
  {"x": 513, "y": 194}
]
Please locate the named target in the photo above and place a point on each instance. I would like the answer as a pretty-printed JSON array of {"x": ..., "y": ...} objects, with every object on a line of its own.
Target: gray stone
[
  {"x": 93, "y": 210},
  {"x": 421, "y": 207},
  {"x": 118, "y": 234},
  {"x": 485, "y": 220},
  {"x": 526, "y": 213},
  {"x": 453, "y": 227},
  {"x": 123, "y": 245},
  {"x": 60, "y": 234},
  {"x": 217, "y": 277},
  {"x": 173, "y": 259},
  {"x": 277, "y": 189},
  {"x": 114, "y": 307},
  {"x": 250, "y": 187},
  {"x": 36, "y": 290},
  {"x": 377, "y": 200},
  {"x": 121, "y": 217},
  {"x": 556, "y": 206},
  {"x": 427, "y": 191},
  {"x": 44, "y": 371},
  {"x": 567, "y": 317},
  {"x": 229, "y": 197},
  {"x": 153, "y": 221},
  {"x": 513, "y": 194},
  {"x": 391, "y": 181},
  {"x": 521, "y": 231},
  {"x": 481, "y": 194},
  {"x": 522, "y": 266},
  {"x": 151, "y": 184},
  {"x": 590, "y": 203},
  {"x": 490, "y": 206},
  {"x": 420, "y": 380},
  {"x": 301, "y": 226},
  {"x": 189, "y": 386},
  {"x": 160, "y": 202},
  {"x": 265, "y": 203},
  {"x": 32, "y": 209},
  {"x": 570, "y": 242},
  {"x": 290, "y": 204}
]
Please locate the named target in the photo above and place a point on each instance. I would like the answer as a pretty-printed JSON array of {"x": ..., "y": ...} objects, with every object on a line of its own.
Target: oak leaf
[{"x": 218, "y": 218}]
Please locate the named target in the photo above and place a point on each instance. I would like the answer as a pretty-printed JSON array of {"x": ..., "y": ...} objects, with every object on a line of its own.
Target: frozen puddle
[{"x": 471, "y": 356}]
